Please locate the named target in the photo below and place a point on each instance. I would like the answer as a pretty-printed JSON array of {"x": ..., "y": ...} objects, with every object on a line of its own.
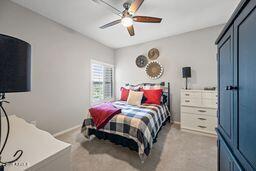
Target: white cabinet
[{"x": 199, "y": 111}]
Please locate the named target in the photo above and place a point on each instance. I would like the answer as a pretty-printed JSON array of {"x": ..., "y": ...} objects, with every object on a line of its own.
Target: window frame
[{"x": 91, "y": 82}]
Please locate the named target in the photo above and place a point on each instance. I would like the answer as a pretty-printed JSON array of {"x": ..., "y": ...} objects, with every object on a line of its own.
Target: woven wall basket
[{"x": 154, "y": 70}]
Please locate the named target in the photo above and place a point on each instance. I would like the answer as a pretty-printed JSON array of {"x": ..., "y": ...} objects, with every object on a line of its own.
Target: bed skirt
[{"x": 120, "y": 140}]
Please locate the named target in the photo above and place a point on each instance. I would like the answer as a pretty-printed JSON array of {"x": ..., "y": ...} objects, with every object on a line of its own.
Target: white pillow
[{"x": 135, "y": 98}]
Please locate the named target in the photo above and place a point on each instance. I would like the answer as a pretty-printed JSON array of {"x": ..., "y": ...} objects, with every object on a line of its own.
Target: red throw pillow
[
  {"x": 153, "y": 96},
  {"x": 124, "y": 94}
]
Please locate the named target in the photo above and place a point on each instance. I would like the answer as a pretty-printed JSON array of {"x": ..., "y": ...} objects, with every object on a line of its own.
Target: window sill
[{"x": 102, "y": 101}]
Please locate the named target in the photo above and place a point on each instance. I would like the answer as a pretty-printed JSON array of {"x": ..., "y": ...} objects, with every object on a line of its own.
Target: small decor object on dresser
[
  {"x": 141, "y": 61},
  {"x": 154, "y": 70},
  {"x": 153, "y": 54},
  {"x": 210, "y": 88}
]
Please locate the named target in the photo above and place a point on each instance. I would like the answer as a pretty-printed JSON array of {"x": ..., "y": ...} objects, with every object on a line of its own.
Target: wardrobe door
[
  {"x": 245, "y": 96},
  {"x": 225, "y": 81}
]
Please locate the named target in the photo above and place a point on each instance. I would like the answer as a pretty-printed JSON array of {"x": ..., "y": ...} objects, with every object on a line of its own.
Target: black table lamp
[
  {"x": 186, "y": 73},
  {"x": 15, "y": 76}
]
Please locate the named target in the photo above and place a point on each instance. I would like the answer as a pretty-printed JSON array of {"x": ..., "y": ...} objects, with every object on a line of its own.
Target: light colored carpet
[{"x": 175, "y": 150}]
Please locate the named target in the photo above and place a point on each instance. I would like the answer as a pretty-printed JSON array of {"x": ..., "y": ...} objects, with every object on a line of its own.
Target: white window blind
[{"x": 102, "y": 82}]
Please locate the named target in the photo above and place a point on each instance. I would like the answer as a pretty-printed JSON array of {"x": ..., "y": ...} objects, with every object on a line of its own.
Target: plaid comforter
[{"x": 138, "y": 123}]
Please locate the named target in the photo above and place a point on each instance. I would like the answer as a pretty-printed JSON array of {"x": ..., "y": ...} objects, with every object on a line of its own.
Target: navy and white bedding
[{"x": 140, "y": 124}]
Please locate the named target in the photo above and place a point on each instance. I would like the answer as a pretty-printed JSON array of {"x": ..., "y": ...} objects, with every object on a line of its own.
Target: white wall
[
  {"x": 60, "y": 69},
  {"x": 195, "y": 49}
]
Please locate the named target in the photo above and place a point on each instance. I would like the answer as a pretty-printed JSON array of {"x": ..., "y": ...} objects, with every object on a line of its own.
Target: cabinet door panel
[
  {"x": 227, "y": 161},
  {"x": 236, "y": 167},
  {"x": 245, "y": 97},
  {"x": 225, "y": 105}
]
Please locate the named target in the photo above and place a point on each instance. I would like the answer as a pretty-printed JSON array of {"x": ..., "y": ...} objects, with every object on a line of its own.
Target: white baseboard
[
  {"x": 177, "y": 123},
  {"x": 199, "y": 133},
  {"x": 67, "y": 130}
]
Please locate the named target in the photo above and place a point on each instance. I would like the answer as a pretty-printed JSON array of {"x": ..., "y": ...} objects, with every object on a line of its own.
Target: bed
[{"x": 136, "y": 127}]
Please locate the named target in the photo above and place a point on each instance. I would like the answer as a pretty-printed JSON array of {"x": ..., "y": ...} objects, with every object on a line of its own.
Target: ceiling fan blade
[
  {"x": 146, "y": 19},
  {"x": 109, "y": 7},
  {"x": 131, "y": 30},
  {"x": 135, "y": 6},
  {"x": 111, "y": 24}
]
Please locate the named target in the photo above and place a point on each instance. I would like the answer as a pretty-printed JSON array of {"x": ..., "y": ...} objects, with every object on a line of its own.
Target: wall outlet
[{"x": 33, "y": 122}]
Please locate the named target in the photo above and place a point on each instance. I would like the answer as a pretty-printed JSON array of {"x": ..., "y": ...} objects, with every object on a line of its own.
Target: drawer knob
[
  {"x": 201, "y": 126},
  {"x": 187, "y": 101},
  {"x": 203, "y": 111},
  {"x": 186, "y": 94},
  {"x": 202, "y": 119}
]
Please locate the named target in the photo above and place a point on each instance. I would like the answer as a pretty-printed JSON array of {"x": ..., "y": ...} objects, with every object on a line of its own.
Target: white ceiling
[{"x": 179, "y": 16}]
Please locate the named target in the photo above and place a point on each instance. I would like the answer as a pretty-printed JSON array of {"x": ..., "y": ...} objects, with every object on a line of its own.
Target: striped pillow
[
  {"x": 133, "y": 87},
  {"x": 152, "y": 87}
]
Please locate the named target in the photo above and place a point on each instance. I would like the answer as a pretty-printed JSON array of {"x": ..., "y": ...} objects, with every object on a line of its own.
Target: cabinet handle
[
  {"x": 201, "y": 126},
  {"x": 202, "y": 119},
  {"x": 231, "y": 87},
  {"x": 187, "y": 100},
  {"x": 203, "y": 111},
  {"x": 186, "y": 94}
]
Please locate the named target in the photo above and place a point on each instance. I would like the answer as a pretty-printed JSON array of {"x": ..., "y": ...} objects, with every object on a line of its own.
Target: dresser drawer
[
  {"x": 190, "y": 102},
  {"x": 209, "y": 103},
  {"x": 190, "y": 94},
  {"x": 199, "y": 111},
  {"x": 201, "y": 123},
  {"x": 209, "y": 95}
]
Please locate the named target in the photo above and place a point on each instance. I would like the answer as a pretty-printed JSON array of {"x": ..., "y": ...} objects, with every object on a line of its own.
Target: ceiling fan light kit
[
  {"x": 127, "y": 21},
  {"x": 128, "y": 15}
]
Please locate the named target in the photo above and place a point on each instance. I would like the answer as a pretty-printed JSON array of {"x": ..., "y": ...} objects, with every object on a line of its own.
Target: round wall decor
[
  {"x": 141, "y": 61},
  {"x": 154, "y": 70},
  {"x": 153, "y": 54}
]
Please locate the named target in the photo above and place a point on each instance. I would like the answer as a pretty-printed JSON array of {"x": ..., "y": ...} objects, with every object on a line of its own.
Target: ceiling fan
[{"x": 128, "y": 15}]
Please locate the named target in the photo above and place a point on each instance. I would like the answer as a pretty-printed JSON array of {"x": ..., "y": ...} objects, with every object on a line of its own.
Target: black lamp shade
[
  {"x": 15, "y": 65},
  {"x": 186, "y": 72}
]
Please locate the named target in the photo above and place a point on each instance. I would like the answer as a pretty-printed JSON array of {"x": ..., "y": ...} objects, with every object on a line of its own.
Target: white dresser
[{"x": 199, "y": 111}]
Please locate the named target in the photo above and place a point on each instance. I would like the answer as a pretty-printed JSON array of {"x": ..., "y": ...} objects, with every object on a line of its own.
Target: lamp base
[
  {"x": 186, "y": 83},
  {"x": 18, "y": 153},
  {"x": 1, "y": 168}
]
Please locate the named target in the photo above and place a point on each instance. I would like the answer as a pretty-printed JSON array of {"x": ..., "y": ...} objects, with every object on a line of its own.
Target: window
[{"x": 101, "y": 82}]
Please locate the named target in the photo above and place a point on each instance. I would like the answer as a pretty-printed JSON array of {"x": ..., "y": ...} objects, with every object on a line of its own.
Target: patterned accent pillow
[
  {"x": 133, "y": 87},
  {"x": 152, "y": 87}
]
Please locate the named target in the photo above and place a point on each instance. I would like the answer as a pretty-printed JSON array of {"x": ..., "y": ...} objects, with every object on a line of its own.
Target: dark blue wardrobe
[{"x": 237, "y": 91}]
